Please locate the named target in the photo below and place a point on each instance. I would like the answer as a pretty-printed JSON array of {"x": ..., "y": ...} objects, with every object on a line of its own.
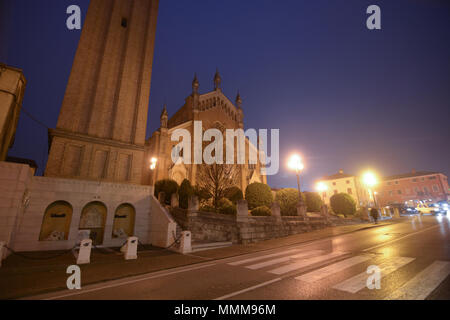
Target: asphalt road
[{"x": 412, "y": 259}]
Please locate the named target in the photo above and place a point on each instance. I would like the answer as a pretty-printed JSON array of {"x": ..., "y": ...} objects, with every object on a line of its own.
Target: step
[{"x": 209, "y": 246}]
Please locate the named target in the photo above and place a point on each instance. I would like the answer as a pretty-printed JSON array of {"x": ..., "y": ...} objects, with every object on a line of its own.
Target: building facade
[
  {"x": 413, "y": 187},
  {"x": 214, "y": 110},
  {"x": 12, "y": 89},
  {"x": 101, "y": 129},
  {"x": 346, "y": 183}
]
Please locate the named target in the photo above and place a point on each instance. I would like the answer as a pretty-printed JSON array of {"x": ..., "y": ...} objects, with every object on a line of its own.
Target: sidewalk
[{"x": 21, "y": 277}]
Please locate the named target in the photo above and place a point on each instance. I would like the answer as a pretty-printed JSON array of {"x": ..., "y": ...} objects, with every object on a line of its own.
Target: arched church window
[
  {"x": 124, "y": 221},
  {"x": 92, "y": 220},
  {"x": 56, "y": 222}
]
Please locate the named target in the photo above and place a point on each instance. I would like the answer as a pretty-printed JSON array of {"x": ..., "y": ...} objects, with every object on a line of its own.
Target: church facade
[{"x": 215, "y": 111}]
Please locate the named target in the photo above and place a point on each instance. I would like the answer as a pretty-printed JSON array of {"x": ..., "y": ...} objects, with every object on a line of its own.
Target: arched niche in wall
[
  {"x": 56, "y": 223},
  {"x": 93, "y": 219},
  {"x": 124, "y": 221}
]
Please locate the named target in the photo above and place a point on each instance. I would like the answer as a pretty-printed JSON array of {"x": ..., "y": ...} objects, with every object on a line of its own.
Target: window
[
  {"x": 435, "y": 188},
  {"x": 416, "y": 190},
  {"x": 334, "y": 183},
  {"x": 348, "y": 181},
  {"x": 399, "y": 191},
  {"x": 425, "y": 190},
  {"x": 349, "y": 191},
  {"x": 396, "y": 182},
  {"x": 414, "y": 180},
  {"x": 388, "y": 183},
  {"x": 423, "y": 179},
  {"x": 124, "y": 23}
]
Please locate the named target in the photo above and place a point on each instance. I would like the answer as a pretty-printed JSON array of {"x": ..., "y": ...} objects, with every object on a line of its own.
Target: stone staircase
[{"x": 203, "y": 246}]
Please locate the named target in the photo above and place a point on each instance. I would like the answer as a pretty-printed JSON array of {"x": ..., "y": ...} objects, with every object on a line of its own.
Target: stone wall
[
  {"x": 214, "y": 227},
  {"x": 24, "y": 199}
]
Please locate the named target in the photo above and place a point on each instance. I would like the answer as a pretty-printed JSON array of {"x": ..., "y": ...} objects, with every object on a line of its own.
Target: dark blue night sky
[{"x": 343, "y": 96}]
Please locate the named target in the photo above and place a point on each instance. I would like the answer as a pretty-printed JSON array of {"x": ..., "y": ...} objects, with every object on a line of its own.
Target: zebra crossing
[{"x": 328, "y": 264}]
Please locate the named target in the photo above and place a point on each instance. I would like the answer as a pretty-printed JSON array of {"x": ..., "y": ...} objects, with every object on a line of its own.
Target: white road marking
[
  {"x": 263, "y": 257},
  {"x": 398, "y": 239},
  {"x": 332, "y": 269},
  {"x": 307, "y": 262},
  {"x": 423, "y": 284},
  {"x": 118, "y": 283},
  {"x": 248, "y": 289},
  {"x": 359, "y": 282},
  {"x": 284, "y": 259}
]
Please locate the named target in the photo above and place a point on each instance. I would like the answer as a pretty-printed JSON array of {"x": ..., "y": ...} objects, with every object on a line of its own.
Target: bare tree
[{"x": 215, "y": 179}]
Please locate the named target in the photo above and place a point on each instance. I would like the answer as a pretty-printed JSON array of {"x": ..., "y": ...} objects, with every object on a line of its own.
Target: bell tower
[{"x": 100, "y": 134}]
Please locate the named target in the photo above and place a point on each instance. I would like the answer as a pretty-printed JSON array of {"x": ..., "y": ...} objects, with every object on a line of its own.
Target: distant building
[
  {"x": 346, "y": 183},
  {"x": 12, "y": 90},
  {"x": 413, "y": 186}
]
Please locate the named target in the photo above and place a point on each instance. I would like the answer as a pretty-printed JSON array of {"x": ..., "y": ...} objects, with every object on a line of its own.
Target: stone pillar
[
  {"x": 276, "y": 211},
  {"x": 396, "y": 213},
  {"x": 130, "y": 248},
  {"x": 175, "y": 200},
  {"x": 84, "y": 255},
  {"x": 162, "y": 198},
  {"x": 324, "y": 212},
  {"x": 186, "y": 242},
  {"x": 242, "y": 210},
  {"x": 193, "y": 204},
  {"x": 302, "y": 211}
]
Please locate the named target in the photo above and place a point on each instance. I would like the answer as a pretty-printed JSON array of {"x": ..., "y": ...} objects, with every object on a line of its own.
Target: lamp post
[
  {"x": 296, "y": 164},
  {"x": 321, "y": 187},
  {"x": 370, "y": 180}
]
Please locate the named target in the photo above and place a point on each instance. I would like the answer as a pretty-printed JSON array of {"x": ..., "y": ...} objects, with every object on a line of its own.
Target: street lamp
[
  {"x": 370, "y": 180},
  {"x": 321, "y": 187},
  {"x": 153, "y": 163},
  {"x": 296, "y": 164}
]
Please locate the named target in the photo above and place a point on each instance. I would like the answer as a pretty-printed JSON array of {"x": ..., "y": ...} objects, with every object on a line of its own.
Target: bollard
[
  {"x": 186, "y": 242},
  {"x": 84, "y": 255},
  {"x": 2, "y": 251},
  {"x": 130, "y": 248}
]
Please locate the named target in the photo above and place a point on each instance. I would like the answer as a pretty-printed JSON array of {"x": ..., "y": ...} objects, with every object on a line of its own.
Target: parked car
[{"x": 428, "y": 208}]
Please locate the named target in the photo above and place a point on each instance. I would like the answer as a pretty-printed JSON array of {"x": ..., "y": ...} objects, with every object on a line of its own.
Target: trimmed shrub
[
  {"x": 226, "y": 207},
  {"x": 288, "y": 200},
  {"x": 186, "y": 191},
  {"x": 202, "y": 195},
  {"x": 167, "y": 186},
  {"x": 258, "y": 195},
  {"x": 313, "y": 201},
  {"x": 343, "y": 203},
  {"x": 234, "y": 194},
  {"x": 262, "y": 211}
]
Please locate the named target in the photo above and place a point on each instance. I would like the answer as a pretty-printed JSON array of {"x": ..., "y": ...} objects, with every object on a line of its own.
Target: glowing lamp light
[
  {"x": 153, "y": 163},
  {"x": 370, "y": 179},
  {"x": 321, "y": 187},
  {"x": 295, "y": 163}
]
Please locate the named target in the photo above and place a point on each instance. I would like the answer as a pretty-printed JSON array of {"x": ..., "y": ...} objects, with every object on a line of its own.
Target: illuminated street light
[
  {"x": 296, "y": 164},
  {"x": 153, "y": 163},
  {"x": 370, "y": 180},
  {"x": 321, "y": 187}
]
